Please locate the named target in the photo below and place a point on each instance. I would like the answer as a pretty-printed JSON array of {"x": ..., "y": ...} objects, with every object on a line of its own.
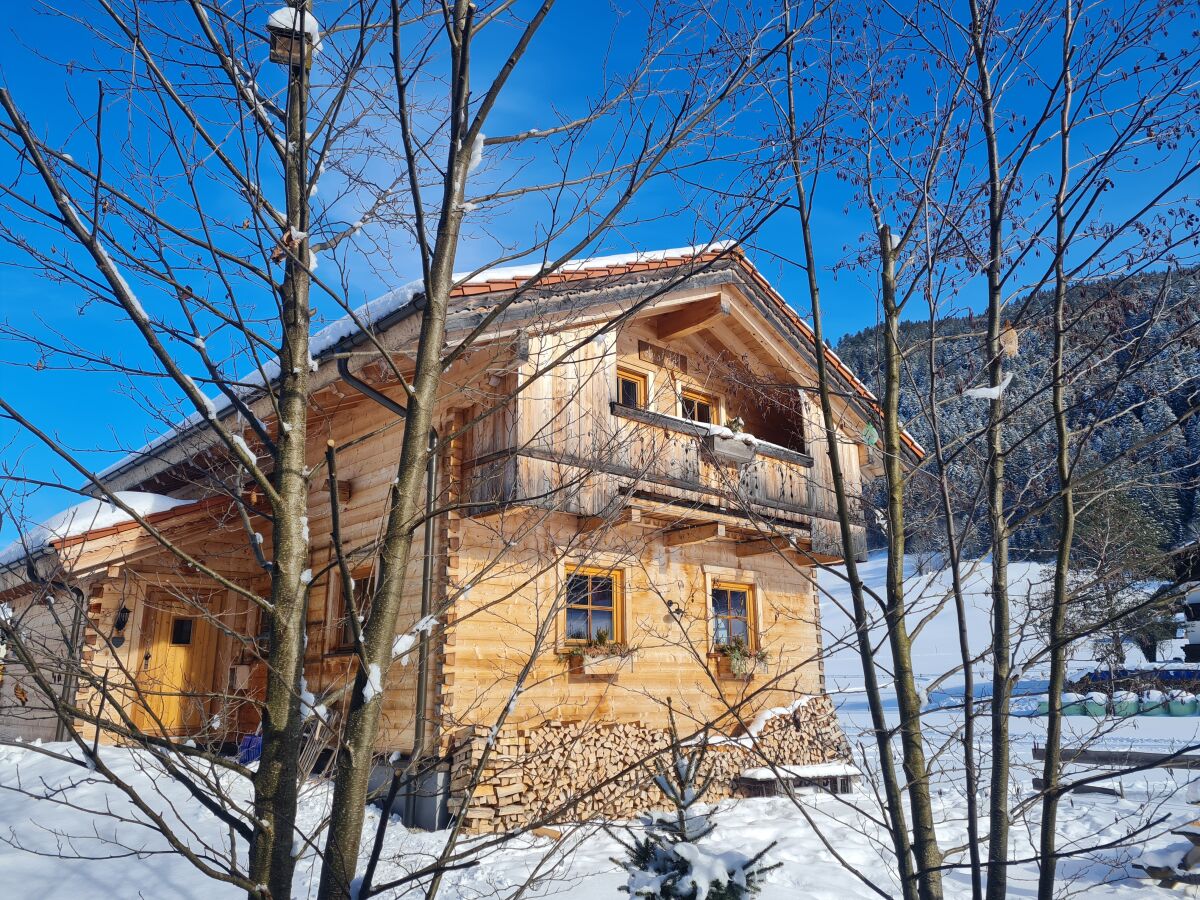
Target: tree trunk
[
  {"x": 953, "y": 552},
  {"x": 1051, "y": 770},
  {"x": 275, "y": 783},
  {"x": 998, "y": 818},
  {"x": 355, "y": 757},
  {"x": 897, "y": 821},
  {"x": 926, "y": 852}
]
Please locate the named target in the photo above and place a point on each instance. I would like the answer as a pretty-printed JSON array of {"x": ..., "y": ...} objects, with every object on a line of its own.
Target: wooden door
[{"x": 177, "y": 667}]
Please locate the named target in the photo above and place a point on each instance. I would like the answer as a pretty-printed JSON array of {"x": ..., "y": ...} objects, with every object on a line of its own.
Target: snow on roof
[
  {"x": 375, "y": 311},
  {"x": 836, "y": 769},
  {"x": 84, "y": 517},
  {"x": 290, "y": 19},
  {"x": 528, "y": 270}
]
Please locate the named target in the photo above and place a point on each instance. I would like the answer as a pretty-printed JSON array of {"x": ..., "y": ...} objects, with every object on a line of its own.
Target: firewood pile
[{"x": 575, "y": 771}]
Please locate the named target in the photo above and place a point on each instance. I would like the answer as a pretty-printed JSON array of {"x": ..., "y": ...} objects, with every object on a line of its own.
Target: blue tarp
[{"x": 250, "y": 749}]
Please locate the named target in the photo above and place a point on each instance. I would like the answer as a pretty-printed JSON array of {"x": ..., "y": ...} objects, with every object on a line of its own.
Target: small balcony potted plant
[
  {"x": 597, "y": 656},
  {"x": 737, "y": 659}
]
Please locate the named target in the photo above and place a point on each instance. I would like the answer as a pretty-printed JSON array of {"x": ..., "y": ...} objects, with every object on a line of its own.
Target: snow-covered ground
[{"x": 65, "y": 844}]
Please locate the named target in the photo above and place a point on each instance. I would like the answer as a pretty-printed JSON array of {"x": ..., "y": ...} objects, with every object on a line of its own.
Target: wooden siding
[
  {"x": 512, "y": 612},
  {"x": 558, "y": 452}
]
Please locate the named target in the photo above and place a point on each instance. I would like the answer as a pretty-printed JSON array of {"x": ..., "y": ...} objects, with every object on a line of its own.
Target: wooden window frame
[
  {"x": 343, "y": 636},
  {"x": 697, "y": 396},
  {"x": 617, "y": 576},
  {"x": 751, "y": 617},
  {"x": 641, "y": 379}
]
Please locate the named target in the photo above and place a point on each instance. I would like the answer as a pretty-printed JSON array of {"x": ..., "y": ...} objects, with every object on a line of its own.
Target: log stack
[{"x": 576, "y": 771}]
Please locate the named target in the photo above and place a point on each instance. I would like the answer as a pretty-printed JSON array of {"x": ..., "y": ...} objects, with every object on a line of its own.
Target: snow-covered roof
[
  {"x": 391, "y": 305},
  {"x": 396, "y": 304},
  {"x": 294, "y": 20},
  {"x": 84, "y": 517}
]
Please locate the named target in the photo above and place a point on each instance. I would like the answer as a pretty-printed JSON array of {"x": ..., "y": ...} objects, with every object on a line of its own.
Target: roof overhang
[{"x": 693, "y": 272}]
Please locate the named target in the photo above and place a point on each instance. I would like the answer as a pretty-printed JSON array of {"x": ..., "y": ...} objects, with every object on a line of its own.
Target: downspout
[{"x": 431, "y": 474}]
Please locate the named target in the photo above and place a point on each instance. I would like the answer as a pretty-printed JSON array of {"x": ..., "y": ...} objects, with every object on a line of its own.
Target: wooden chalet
[{"x": 630, "y": 506}]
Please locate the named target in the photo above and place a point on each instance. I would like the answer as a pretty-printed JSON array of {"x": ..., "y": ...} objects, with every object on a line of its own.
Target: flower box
[
  {"x": 598, "y": 661},
  {"x": 728, "y": 447},
  {"x": 740, "y": 667}
]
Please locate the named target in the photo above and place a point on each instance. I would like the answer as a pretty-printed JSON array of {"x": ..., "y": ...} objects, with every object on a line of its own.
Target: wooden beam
[
  {"x": 693, "y": 534},
  {"x": 627, "y": 516},
  {"x": 809, "y": 557},
  {"x": 762, "y": 545},
  {"x": 691, "y": 318}
]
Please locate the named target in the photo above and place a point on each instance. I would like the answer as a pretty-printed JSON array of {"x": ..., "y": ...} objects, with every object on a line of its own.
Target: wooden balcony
[{"x": 641, "y": 457}]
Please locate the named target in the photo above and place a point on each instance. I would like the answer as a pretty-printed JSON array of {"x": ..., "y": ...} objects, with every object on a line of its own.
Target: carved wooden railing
[{"x": 648, "y": 454}]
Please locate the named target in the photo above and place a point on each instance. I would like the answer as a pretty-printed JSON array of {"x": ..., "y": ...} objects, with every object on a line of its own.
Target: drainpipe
[{"x": 431, "y": 474}]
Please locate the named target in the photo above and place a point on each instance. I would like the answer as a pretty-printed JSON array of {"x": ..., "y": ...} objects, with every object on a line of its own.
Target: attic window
[
  {"x": 631, "y": 389},
  {"x": 696, "y": 406}
]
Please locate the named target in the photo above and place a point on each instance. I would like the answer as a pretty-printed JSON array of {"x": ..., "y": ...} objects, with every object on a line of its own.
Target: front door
[{"x": 177, "y": 667}]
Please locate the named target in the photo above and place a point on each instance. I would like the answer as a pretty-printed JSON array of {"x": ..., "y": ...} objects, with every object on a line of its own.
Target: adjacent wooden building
[{"x": 630, "y": 501}]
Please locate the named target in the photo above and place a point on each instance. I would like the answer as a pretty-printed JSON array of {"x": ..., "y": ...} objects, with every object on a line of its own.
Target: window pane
[
  {"x": 181, "y": 631},
  {"x": 364, "y": 589},
  {"x": 703, "y": 413},
  {"x": 720, "y": 631},
  {"x": 577, "y": 590},
  {"x": 688, "y": 407},
  {"x": 737, "y": 629},
  {"x": 720, "y": 601},
  {"x": 602, "y": 621},
  {"x": 577, "y": 624},
  {"x": 737, "y": 603},
  {"x": 602, "y": 591},
  {"x": 628, "y": 390}
]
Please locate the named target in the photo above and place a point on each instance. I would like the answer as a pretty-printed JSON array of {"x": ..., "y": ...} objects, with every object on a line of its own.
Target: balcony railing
[{"x": 648, "y": 454}]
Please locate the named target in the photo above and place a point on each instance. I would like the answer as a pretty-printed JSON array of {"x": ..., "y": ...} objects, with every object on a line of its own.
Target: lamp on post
[{"x": 294, "y": 35}]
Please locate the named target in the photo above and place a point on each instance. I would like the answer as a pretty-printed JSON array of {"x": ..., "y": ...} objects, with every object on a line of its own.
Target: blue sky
[{"x": 98, "y": 415}]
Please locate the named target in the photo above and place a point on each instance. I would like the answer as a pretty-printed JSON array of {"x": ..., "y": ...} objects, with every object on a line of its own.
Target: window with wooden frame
[
  {"x": 733, "y": 614},
  {"x": 181, "y": 631},
  {"x": 632, "y": 388},
  {"x": 364, "y": 589},
  {"x": 697, "y": 407},
  {"x": 594, "y": 598}
]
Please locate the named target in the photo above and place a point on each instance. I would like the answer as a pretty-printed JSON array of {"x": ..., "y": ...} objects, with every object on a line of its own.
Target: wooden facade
[{"x": 581, "y": 449}]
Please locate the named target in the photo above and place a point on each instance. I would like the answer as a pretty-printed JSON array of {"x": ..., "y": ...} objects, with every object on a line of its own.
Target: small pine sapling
[{"x": 665, "y": 860}]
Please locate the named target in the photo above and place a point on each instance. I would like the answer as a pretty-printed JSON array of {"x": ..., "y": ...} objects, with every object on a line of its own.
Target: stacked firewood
[{"x": 575, "y": 771}]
